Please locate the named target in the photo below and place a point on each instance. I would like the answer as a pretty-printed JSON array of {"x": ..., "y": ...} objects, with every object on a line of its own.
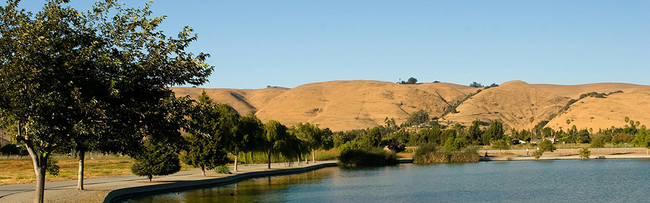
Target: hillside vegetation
[{"x": 346, "y": 105}]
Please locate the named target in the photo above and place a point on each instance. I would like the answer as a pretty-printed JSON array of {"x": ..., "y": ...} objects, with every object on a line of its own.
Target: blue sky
[{"x": 289, "y": 43}]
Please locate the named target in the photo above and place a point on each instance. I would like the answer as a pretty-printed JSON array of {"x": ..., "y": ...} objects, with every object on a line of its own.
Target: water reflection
[
  {"x": 246, "y": 191},
  {"x": 516, "y": 181}
]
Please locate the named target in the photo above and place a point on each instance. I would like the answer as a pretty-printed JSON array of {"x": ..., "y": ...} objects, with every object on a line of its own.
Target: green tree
[
  {"x": 64, "y": 73},
  {"x": 500, "y": 145},
  {"x": 204, "y": 152},
  {"x": 247, "y": 136},
  {"x": 475, "y": 84},
  {"x": 642, "y": 138},
  {"x": 208, "y": 126},
  {"x": 546, "y": 146},
  {"x": 474, "y": 132},
  {"x": 314, "y": 137},
  {"x": 372, "y": 138},
  {"x": 494, "y": 132},
  {"x": 278, "y": 141},
  {"x": 156, "y": 160},
  {"x": 416, "y": 118},
  {"x": 411, "y": 80},
  {"x": 455, "y": 144}
]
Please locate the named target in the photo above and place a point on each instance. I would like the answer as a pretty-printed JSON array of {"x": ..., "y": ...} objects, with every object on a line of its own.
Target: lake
[{"x": 608, "y": 180}]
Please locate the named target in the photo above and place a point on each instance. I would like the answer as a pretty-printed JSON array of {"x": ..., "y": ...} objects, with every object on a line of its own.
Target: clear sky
[{"x": 289, "y": 43}]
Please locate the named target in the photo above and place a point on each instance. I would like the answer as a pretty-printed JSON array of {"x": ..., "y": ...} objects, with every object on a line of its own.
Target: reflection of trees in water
[{"x": 252, "y": 190}]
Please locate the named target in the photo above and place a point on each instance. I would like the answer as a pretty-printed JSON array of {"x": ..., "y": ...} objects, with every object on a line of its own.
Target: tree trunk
[
  {"x": 40, "y": 167},
  {"x": 313, "y": 156},
  {"x": 40, "y": 184},
  {"x": 236, "y": 160},
  {"x": 80, "y": 179},
  {"x": 306, "y": 160},
  {"x": 203, "y": 170},
  {"x": 269, "y": 155}
]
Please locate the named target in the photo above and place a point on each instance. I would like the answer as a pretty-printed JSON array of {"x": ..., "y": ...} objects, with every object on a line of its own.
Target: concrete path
[{"x": 97, "y": 189}]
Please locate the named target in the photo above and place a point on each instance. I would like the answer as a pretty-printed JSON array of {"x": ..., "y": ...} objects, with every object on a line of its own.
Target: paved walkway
[{"x": 97, "y": 189}]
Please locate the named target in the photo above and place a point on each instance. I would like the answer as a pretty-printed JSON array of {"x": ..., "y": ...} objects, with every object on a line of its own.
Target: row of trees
[
  {"x": 483, "y": 133},
  {"x": 214, "y": 130},
  {"x": 98, "y": 80}
]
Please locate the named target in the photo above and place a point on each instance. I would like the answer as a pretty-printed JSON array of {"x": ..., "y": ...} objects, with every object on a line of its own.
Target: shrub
[
  {"x": 546, "y": 145},
  {"x": 500, "y": 145},
  {"x": 584, "y": 153},
  {"x": 367, "y": 157},
  {"x": 396, "y": 146},
  {"x": 223, "y": 169},
  {"x": 538, "y": 153},
  {"x": 157, "y": 159},
  {"x": 428, "y": 154},
  {"x": 598, "y": 143}
]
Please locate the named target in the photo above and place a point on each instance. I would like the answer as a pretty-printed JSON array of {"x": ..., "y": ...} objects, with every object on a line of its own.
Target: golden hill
[
  {"x": 600, "y": 113},
  {"x": 245, "y": 101},
  {"x": 345, "y": 105},
  {"x": 517, "y": 104}
]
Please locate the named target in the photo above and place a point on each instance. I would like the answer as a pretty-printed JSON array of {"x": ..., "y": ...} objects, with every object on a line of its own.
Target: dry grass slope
[{"x": 345, "y": 105}]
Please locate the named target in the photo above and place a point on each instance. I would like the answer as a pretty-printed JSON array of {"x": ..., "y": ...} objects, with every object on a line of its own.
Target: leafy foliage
[
  {"x": 494, "y": 132},
  {"x": 222, "y": 169},
  {"x": 156, "y": 160},
  {"x": 546, "y": 146},
  {"x": 411, "y": 80},
  {"x": 367, "y": 157},
  {"x": 71, "y": 78},
  {"x": 584, "y": 153},
  {"x": 12, "y": 149},
  {"x": 475, "y": 84},
  {"x": 416, "y": 118},
  {"x": 396, "y": 146},
  {"x": 210, "y": 125},
  {"x": 500, "y": 145},
  {"x": 277, "y": 141}
]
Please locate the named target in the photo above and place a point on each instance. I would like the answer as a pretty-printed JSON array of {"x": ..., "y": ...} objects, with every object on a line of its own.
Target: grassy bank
[
  {"x": 21, "y": 170},
  {"x": 430, "y": 155}
]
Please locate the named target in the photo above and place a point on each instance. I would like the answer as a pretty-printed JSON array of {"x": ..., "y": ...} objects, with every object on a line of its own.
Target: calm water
[{"x": 513, "y": 181}]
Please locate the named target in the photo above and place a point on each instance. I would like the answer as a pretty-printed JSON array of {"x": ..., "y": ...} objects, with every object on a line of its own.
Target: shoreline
[
  {"x": 116, "y": 188},
  {"x": 563, "y": 157},
  {"x": 112, "y": 189}
]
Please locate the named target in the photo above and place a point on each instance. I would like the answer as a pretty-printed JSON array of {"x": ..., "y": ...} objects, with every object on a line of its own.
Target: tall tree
[
  {"x": 494, "y": 132},
  {"x": 157, "y": 159},
  {"x": 247, "y": 136},
  {"x": 64, "y": 73},
  {"x": 42, "y": 90},
  {"x": 474, "y": 132},
  {"x": 278, "y": 141},
  {"x": 314, "y": 137},
  {"x": 208, "y": 126}
]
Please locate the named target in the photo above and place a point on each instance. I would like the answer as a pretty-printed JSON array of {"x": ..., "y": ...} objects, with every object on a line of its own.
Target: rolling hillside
[{"x": 345, "y": 105}]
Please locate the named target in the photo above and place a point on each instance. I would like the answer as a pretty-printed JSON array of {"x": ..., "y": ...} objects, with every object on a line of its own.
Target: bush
[
  {"x": 157, "y": 159},
  {"x": 223, "y": 169},
  {"x": 396, "y": 146},
  {"x": 367, "y": 157},
  {"x": 428, "y": 154},
  {"x": 12, "y": 149},
  {"x": 584, "y": 153},
  {"x": 538, "y": 153},
  {"x": 500, "y": 145},
  {"x": 546, "y": 145}
]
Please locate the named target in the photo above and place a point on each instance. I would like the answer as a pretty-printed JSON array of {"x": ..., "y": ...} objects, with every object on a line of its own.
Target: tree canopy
[{"x": 68, "y": 76}]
